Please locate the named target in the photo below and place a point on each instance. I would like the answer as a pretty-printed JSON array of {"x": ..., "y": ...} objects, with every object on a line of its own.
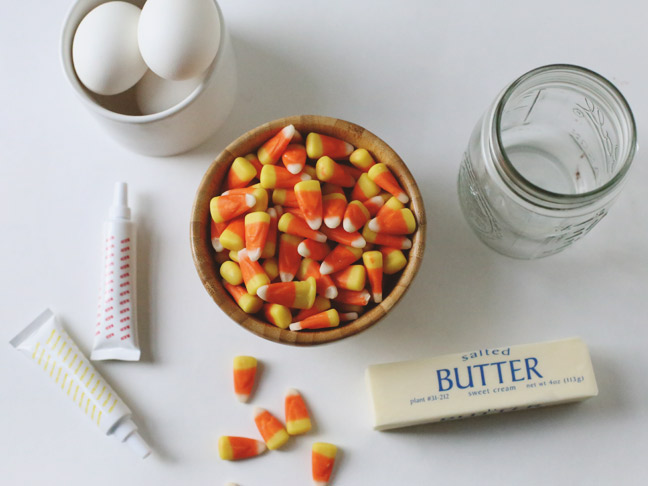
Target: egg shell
[
  {"x": 155, "y": 94},
  {"x": 105, "y": 53},
  {"x": 179, "y": 39}
]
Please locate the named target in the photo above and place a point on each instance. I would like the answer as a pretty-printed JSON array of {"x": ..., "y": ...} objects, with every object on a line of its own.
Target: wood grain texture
[{"x": 210, "y": 186}]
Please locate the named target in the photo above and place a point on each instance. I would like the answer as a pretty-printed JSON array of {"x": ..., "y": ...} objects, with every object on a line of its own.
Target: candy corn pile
[{"x": 340, "y": 227}]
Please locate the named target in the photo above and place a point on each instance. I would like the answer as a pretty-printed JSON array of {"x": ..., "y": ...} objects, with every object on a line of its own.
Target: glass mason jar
[{"x": 546, "y": 161}]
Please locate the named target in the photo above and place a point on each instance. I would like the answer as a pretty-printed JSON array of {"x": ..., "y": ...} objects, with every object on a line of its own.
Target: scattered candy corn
[
  {"x": 271, "y": 429},
  {"x": 297, "y": 417},
  {"x": 245, "y": 368},
  {"x": 323, "y": 459},
  {"x": 256, "y": 245},
  {"x": 232, "y": 448}
]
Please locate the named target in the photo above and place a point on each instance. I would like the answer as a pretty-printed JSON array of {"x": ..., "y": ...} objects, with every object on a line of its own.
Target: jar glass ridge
[{"x": 546, "y": 161}]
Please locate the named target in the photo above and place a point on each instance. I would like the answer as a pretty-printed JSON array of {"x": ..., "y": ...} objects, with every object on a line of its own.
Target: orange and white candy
[
  {"x": 231, "y": 448},
  {"x": 323, "y": 459},
  {"x": 355, "y": 216},
  {"x": 289, "y": 258},
  {"x": 313, "y": 249},
  {"x": 318, "y": 145},
  {"x": 328, "y": 170},
  {"x": 309, "y": 198},
  {"x": 340, "y": 235},
  {"x": 294, "y": 158},
  {"x": 240, "y": 174},
  {"x": 373, "y": 262},
  {"x": 325, "y": 285},
  {"x": 225, "y": 208},
  {"x": 323, "y": 320},
  {"x": 297, "y": 295},
  {"x": 291, "y": 224},
  {"x": 271, "y": 429},
  {"x": 382, "y": 176},
  {"x": 333, "y": 207},
  {"x": 271, "y": 151},
  {"x": 341, "y": 257},
  {"x": 245, "y": 368},
  {"x": 257, "y": 225},
  {"x": 253, "y": 274},
  {"x": 273, "y": 177},
  {"x": 297, "y": 417}
]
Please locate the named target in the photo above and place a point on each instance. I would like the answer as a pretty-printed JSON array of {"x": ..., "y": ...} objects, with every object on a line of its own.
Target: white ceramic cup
[{"x": 175, "y": 130}]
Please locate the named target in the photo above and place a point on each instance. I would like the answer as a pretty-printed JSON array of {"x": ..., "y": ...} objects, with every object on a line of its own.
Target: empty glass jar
[{"x": 546, "y": 161}]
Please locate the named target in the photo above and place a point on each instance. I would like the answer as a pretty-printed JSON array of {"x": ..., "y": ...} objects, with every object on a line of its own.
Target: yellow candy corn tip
[
  {"x": 332, "y": 221},
  {"x": 298, "y": 427}
]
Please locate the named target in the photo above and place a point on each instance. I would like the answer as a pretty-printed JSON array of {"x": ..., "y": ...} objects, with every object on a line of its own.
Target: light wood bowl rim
[{"x": 248, "y": 142}]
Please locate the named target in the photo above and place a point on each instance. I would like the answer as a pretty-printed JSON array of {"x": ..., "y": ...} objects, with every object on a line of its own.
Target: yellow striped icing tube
[{"x": 47, "y": 344}]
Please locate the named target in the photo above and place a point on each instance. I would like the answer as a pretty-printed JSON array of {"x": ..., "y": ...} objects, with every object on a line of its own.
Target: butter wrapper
[{"x": 480, "y": 382}]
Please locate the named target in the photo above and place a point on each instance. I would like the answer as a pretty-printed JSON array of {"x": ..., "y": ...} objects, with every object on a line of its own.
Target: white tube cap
[
  {"x": 138, "y": 445},
  {"x": 119, "y": 208}
]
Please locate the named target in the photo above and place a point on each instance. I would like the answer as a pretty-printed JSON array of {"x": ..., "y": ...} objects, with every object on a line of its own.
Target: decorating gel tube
[
  {"x": 52, "y": 350},
  {"x": 116, "y": 328}
]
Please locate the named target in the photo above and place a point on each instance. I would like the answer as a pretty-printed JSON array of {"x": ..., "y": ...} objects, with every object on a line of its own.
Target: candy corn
[
  {"x": 250, "y": 304},
  {"x": 362, "y": 159},
  {"x": 285, "y": 197},
  {"x": 394, "y": 241},
  {"x": 329, "y": 318},
  {"x": 353, "y": 297},
  {"x": 257, "y": 225},
  {"x": 364, "y": 188},
  {"x": 215, "y": 230},
  {"x": 270, "y": 246},
  {"x": 278, "y": 315},
  {"x": 313, "y": 249},
  {"x": 394, "y": 219},
  {"x": 278, "y": 177},
  {"x": 310, "y": 170},
  {"x": 297, "y": 417},
  {"x": 323, "y": 283},
  {"x": 348, "y": 316},
  {"x": 318, "y": 145},
  {"x": 289, "y": 258},
  {"x": 240, "y": 174},
  {"x": 351, "y": 278},
  {"x": 323, "y": 459},
  {"x": 253, "y": 274},
  {"x": 295, "y": 226},
  {"x": 231, "y": 272},
  {"x": 254, "y": 160},
  {"x": 270, "y": 152},
  {"x": 355, "y": 216},
  {"x": 309, "y": 198},
  {"x": 234, "y": 448},
  {"x": 340, "y": 235},
  {"x": 225, "y": 208},
  {"x": 233, "y": 255},
  {"x": 298, "y": 295},
  {"x": 333, "y": 207},
  {"x": 233, "y": 237},
  {"x": 295, "y": 212},
  {"x": 321, "y": 304},
  {"x": 393, "y": 260},
  {"x": 294, "y": 158},
  {"x": 245, "y": 368},
  {"x": 373, "y": 261},
  {"x": 341, "y": 257},
  {"x": 271, "y": 429},
  {"x": 329, "y": 171},
  {"x": 381, "y": 175},
  {"x": 271, "y": 268},
  {"x": 374, "y": 204},
  {"x": 261, "y": 196}
]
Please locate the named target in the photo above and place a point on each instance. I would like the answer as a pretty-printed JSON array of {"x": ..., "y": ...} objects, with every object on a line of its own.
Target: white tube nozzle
[{"x": 119, "y": 208}]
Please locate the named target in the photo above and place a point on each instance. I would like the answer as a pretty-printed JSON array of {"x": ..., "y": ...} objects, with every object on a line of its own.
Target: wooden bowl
[{"x": 210, "y": 186}]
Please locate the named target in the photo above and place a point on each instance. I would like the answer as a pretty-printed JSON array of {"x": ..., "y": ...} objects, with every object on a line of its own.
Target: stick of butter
[{"x": 480, "y": 382}]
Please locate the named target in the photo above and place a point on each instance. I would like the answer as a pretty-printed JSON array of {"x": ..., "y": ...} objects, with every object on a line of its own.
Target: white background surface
[{"x": 418, "y": 74}]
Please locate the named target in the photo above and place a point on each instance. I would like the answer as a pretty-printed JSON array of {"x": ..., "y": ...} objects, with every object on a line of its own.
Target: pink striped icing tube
[{"x": 116, "y": 327}]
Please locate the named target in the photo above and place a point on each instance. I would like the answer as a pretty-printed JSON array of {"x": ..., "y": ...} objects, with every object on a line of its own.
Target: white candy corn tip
[
  {"x": 254, "y": 255},
  {"x": 331, "y": 292},
  {"x": 272, "y": 212},
  {"x": 348, "y": 226},
  {"x": 314, "y": 223},
  {"x": 305, "y": 177},
  {"x": 321, "y": 237},
  {"x": 348, "y": 316},
  {"x": 325, "y": 268},
  {"x": 359, "y": 242},
  {"x": 217, "y": 245},
  {"x": 374, "y": 225},
  {"x": 261, "y": 447},
  {"x": 250, "y": 200},
  {"x": 349, "y": 148},
  {"x": 294, "y": 168},
  {"x": 289, "y": 131},
  {"x": 285, "y": 277},
  {"x": 262, "y": 292},
  {"x": 332, "y": 221},
  {"x": 377, "y": 298},
  {"x": 402, "y": 197},
  {"x": 258, "y": 411},
  {"x": 242, "y": 397},
  {"x": 320, "y": 483},
  {"x": 407, "y": 244},
  {"x": 295, "y": 326},
  {"x": 241, "y": 253},
  {"x": 302, "y": 249},
  {"x": 292, "y": 392}
]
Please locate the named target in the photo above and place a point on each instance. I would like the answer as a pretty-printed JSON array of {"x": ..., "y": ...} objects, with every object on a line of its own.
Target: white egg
[
  {"x": 155, "y": 94},
  {"x": 105, "y": 53},
  {"x": 179, "y": 39}
]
